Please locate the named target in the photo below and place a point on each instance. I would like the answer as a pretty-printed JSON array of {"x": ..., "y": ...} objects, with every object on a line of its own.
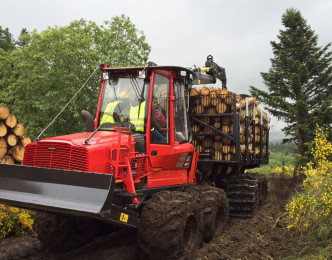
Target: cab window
[
  {"x": 120, "y": 97},
  {"x": 180, "y": 113},
  {"x": 160, "y": 110}
]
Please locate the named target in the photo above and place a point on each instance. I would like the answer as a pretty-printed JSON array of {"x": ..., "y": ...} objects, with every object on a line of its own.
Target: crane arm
[{"x": 210, "y": 73}]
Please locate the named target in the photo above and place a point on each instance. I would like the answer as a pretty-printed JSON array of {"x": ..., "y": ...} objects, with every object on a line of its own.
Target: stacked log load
[
  {"x": 215, "y": 107},
  {"x": 12, "y": 139}
]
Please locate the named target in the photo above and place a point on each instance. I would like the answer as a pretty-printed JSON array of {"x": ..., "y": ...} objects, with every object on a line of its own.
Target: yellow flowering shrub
[
  {"x": 283, "y": 172},
  {"x": 312, "y": 209},
  {"x": 15, "y": 222}
]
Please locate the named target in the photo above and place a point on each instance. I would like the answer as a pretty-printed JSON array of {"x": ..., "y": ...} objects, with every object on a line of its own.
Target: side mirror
[{"x": 88, "y": 120}]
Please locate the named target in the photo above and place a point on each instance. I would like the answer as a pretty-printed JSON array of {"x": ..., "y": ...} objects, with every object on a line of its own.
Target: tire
[
  {"x": 61, "y": 234},
  {"x": 213, "y": 205},
  {"x": 169, "y": 226}
]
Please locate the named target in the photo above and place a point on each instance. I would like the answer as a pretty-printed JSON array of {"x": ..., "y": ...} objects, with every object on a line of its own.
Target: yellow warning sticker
[{"x": 124, "y": 217}]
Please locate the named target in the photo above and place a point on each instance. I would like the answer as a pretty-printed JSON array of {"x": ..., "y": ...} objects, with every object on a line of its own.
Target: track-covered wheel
[
  {"x": 243, "y": 195},
  {"x": 214, "y": 208},
  {"x": 169, "y": 227},
  {"x": 61, "y": 234},
  {"x": 246, "y": 192},
  {"x": 262, "y": 186}
]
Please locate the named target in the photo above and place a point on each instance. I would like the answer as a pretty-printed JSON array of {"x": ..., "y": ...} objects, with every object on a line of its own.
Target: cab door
[{"x": 171, "y": 158}]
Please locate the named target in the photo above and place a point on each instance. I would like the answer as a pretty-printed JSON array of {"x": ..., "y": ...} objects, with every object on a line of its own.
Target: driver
[
  {"x": 137, "y": 116},
  {"x": 118, "y": 110}
]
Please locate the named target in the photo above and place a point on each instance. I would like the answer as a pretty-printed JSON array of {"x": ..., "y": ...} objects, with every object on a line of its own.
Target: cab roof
[{"x": 183, "y": 72}]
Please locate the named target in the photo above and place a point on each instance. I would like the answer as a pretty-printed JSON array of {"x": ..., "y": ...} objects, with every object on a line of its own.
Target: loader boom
[{"x": 210, "y": 73}]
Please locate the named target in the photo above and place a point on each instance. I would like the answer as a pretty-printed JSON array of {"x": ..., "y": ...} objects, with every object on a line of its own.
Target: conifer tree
[
  {"x": 6, "y": 40},
  {"x": 298, "y": 81},
  {"x": 23, "y": 39}
]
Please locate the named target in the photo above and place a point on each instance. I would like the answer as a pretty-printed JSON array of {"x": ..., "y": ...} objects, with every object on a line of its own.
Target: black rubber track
[
  {"x": 169, "y": 227},
  {"x": 213, "y": 205},
  {"x": 262, "y": 186},
  {"x": 246, "y": 192},
  {"x": 61, "y": 234}
]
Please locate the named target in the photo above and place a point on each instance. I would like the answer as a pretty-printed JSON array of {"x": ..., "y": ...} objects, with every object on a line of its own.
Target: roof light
[
  {"x": 105, "y": 75},
  {"x": 141, "y": 74}
]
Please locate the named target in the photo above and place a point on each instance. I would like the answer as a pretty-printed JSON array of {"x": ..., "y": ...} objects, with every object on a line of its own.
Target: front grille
[{"x": 56, "y": 155}]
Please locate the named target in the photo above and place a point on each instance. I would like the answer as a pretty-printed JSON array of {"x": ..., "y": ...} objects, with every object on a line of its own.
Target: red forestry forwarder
[{"x": 137, "y": 167}]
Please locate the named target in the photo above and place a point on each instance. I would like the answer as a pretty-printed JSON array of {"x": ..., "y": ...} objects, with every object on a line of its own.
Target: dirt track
[{"x": 261, "y": 237}]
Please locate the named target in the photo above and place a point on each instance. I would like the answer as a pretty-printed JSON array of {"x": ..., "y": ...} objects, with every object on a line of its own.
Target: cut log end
[
  {"x": 11, "y": 121},
  {"x": 25, "y": 141},
  {"x": 17, "y": 153},
  {"x": 3, "y": 147},
  {"x": 19, "y": 130},
  {"x": 7, "y": 160},
  {"x": 4, "y": 112},
  {"x": 11, "y": 140},
  {"x": 3, "y": 129}
]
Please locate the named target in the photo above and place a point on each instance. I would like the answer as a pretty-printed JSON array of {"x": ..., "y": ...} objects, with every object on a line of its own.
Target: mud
[{"x": 264, "y": 236}]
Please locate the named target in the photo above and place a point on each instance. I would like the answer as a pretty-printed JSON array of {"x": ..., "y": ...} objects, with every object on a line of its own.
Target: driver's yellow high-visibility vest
[
  {"x": 108, "y": 114},
  {"x": 138, "y": 119}
]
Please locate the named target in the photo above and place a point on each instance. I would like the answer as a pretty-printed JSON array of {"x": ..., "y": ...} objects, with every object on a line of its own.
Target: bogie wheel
[
  {"x": 213, "y": 205},
  {"x": 61, "y": 234},
  {"x": 169, "y": 227}
]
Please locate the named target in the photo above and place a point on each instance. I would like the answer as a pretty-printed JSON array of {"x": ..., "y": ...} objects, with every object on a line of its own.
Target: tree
[
  {"x": 299, "y": 81},
  {"x": 123, "y": 43},
  {"x": 23, "y": 39},
  {"x": 55, "y": 63},
  {"x": 6, "y": 40}
]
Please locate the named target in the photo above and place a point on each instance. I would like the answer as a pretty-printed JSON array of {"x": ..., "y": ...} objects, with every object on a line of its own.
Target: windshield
[{"x": 120, "y": 96}]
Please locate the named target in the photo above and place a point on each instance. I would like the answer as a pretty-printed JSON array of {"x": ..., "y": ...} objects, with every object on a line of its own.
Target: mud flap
[{"x": 66, "y": 192}]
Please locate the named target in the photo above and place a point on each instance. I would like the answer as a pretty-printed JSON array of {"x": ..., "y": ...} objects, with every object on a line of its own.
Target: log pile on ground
[
  {"x": 215, "y": 108},
  {"x": 12, "y": 139}
]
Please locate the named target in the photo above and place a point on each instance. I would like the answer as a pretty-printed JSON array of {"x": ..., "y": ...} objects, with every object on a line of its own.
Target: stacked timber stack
[
  {"x": 12, "y": 139},
  {"x": 215, "y": 109},
  {"x": 257, "y": 130}
]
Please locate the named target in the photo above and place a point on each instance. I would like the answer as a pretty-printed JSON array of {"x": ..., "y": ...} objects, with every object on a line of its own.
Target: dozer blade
[{"x": 62, "y": 191}]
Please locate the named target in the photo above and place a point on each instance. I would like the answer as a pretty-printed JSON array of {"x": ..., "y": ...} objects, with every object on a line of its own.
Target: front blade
[{"x": 55, "y": 190}]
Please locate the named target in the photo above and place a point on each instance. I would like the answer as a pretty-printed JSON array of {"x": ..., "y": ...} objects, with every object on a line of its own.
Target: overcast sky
[{"x": 236, "y": 33}]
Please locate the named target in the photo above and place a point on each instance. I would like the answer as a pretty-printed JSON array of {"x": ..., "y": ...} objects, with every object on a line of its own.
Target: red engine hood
[
  {"x": 70, "y": 151},
  {"x": 79, "y": 138}
]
